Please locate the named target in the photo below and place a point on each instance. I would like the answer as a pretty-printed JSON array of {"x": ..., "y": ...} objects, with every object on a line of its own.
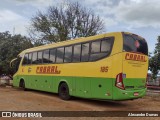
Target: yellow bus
[{"x": 111, "y": 66}]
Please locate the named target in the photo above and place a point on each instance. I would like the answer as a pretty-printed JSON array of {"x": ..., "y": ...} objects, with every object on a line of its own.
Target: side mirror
[{"x": 11, "y": 63}]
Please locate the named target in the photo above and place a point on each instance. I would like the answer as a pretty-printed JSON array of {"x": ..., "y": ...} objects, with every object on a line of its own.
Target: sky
[{"x": 141, "y": 17}]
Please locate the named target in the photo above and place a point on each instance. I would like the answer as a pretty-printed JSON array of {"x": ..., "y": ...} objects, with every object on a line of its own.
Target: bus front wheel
[
  {"x": 22, "y": 85},
  {"x": 63, "y": 91}
]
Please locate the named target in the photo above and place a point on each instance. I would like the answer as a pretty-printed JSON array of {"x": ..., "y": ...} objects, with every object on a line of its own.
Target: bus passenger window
[
  {"x": 39, "y": 57},
  {"x": 95, "y": 46},
  {"x": 106, "y": 45},
  {"x": 46, "y": 56},
  {"x": 25, "y": 59},
  {"x": 52, "y": 56},
  {"x": 30, "y": 58},
  {"x": 104, "y": 50},
  {"x": 85, "y": 52},
  {"x": 34, "y": 58},
  {"x": 97, "y": 56},
  {"x": 68, "y": 54},
  {"x": 60, "y": 54},
  {"x": 77, "y": 53}
]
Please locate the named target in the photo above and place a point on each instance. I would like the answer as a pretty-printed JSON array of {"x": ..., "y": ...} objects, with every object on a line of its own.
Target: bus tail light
[{"x": 119, "y": 81}]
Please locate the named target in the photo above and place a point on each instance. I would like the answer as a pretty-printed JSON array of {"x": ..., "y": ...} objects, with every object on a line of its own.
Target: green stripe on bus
[{"x": 86, "y": 87}]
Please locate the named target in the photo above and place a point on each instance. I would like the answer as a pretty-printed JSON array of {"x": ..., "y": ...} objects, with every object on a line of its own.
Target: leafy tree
[
  {"x": 62, "y": 22},
  {"x": 154, "y": 61},
  {"x": 10, "y": 47}
]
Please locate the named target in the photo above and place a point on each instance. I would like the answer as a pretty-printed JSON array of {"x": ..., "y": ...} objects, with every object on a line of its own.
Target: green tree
[
  {"x": 154, "y": 61},
  {"x": 10, "y": 47},
  {"x": 62, "y": 22}
]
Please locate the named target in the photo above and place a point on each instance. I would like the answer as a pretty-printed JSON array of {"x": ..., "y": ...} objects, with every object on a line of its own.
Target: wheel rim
[{"x": 64, "y": 91}]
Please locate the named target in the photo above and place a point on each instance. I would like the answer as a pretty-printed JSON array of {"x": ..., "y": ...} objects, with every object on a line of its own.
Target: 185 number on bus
[{"x": 104, "y": 69}]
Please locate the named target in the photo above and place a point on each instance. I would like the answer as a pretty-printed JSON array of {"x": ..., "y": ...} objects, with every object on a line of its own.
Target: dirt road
[{"x": 13, "y": 99}]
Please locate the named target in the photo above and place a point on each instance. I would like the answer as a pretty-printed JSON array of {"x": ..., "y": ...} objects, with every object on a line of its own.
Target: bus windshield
[
  {"x": 134, "y": 43},
  {"x": 14, "y": 64}
]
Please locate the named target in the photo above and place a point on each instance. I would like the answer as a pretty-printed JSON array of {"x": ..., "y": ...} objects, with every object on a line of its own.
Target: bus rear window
[{"x": 134, "y": 43}]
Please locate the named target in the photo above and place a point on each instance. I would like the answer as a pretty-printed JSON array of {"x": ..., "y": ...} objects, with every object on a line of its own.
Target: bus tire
[
  {"x": 22, "y": 85},
  {"x": 63, "y": 91}
]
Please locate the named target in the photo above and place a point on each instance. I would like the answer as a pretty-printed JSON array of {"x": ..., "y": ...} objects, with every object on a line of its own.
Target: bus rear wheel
[{"x": 63, "y": 91}]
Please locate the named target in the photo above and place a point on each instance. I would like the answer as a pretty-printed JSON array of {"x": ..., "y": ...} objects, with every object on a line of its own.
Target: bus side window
[
  {"x": 39, "y": 61},
  {"x": 85, "y": 52},
  {"x": 95, "y": 50},
  {"x": 46, "y": 56},
  {"x": 25, "y": 59},
  {"x": 95, "y": 46},
  {"x": 30, "y": 58},
  {"x": 68, "y": 54},
  {"x": 106, "y": 45},
  {"x": 60, "y": 55},
  {"x": 76, "y": 53},
  {"x": 52, "y": 55},
  {"x": 34, "y": 58},
  {"x": 101, "y": 49}
]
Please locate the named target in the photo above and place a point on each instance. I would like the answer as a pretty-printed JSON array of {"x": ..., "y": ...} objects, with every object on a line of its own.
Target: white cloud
[
  {"x": 137, "y": 1},
  {"x": 10, "y": 20},
  {"x": 21, "y": 27},
  {"x": 139, "y": 13},
  {"x": 7, "y": 16},
  {"x": 128, "y": 14},
  {"x": 35, "y": 3},
  {"x": 109, "y": 21},
  {"x": 133, "y": 13}
]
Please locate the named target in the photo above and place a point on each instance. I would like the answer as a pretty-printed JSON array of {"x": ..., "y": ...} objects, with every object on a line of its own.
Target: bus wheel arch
[
  {"x": 63, "y": 91},
  {"x": 22, "y": 84}
]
